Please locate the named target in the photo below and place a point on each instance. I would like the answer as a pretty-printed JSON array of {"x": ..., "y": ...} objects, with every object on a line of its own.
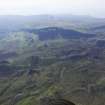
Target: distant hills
[
  {"x": 13, "y": 23},
  {"x": 56, "y": 32}
]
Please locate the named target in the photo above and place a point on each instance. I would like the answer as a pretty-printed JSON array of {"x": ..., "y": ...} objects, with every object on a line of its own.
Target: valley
[{"x": 52, "y": 56}]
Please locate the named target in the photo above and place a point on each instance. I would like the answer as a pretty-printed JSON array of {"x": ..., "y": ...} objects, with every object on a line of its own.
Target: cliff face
[{"x": 52, "y": 101}]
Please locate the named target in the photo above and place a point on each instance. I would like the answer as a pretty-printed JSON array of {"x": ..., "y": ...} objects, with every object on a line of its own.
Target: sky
[{"x": 94, "y": 8}]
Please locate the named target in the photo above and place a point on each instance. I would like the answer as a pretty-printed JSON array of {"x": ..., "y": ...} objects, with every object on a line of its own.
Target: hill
[
  {"x": 56, "y": 32},
  {"x": 53, "y": 57}
]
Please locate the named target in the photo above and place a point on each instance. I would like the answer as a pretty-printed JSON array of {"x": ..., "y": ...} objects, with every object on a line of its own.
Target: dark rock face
[
  {"x": 6, "y": 70},
  {"x": 100, "y": 43},
  {"x": 4, "y": 56},
  {"x": 32, "y": 72},
  {"x": 34, "y": 61},
  {"x": 49, "y": 101},
  {"x": 95, "y": 53}
]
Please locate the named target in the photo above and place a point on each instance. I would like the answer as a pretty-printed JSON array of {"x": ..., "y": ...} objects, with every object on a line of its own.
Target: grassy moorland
[{"x": 59, "y": 62}]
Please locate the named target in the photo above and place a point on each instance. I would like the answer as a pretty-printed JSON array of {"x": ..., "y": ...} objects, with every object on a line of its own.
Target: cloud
[{"x": 27, "y": 7}]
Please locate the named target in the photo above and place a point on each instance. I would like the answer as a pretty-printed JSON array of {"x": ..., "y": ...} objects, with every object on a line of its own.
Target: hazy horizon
[{"x": 95, "y": 8}]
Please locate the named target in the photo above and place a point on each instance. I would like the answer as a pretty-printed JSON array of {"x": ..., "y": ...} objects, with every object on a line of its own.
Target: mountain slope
[
  {"x": 49, "y": 57},
  {"x": 56, "y": 32}
]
